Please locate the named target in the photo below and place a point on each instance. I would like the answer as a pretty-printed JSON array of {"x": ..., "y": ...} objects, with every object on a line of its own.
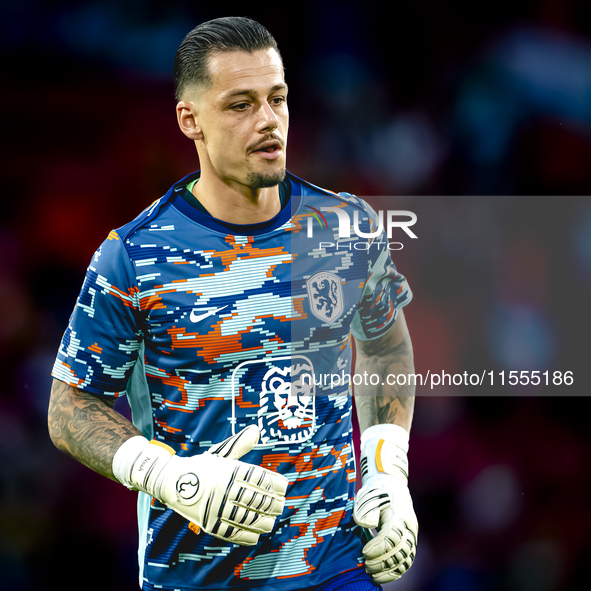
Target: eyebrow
[{"x": 248, "y": 91}]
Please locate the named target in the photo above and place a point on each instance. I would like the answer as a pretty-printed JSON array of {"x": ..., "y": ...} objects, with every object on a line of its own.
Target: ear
[{"x": 186, "y": 115}]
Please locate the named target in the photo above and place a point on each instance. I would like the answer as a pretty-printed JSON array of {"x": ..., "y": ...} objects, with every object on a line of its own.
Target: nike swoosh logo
[{"x": 197, "y": 317}]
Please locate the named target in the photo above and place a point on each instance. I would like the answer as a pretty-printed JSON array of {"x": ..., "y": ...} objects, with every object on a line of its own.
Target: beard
[{"x": 264, "y": 180}]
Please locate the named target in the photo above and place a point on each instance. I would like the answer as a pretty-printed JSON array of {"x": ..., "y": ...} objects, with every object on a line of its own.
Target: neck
[{"x": 236, "y": 203}]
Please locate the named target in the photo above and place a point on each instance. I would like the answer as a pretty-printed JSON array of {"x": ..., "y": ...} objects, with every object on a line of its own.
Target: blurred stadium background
[{"x": 476, "y": 116}]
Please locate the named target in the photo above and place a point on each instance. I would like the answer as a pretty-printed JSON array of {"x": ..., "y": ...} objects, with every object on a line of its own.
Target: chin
[{"x": 263, "y": 180}]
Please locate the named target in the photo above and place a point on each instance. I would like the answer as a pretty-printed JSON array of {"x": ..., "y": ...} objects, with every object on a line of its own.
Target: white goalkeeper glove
[
  {"x": 384, "y": 503},
  {"x": 227, "y": 498}
]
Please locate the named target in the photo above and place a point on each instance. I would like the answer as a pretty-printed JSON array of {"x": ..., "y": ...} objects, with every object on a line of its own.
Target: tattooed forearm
[
  {"x": 384, "y": 403},
  {"x": 87, "y": 427}
]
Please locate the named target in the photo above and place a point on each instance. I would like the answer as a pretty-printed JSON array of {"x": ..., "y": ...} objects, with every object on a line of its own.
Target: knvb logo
[
  {"x": 397, "y": 218},
  {"x": 325, "y": 294}
]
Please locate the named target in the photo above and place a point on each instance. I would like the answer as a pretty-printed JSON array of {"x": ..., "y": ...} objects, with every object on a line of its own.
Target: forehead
[{"x": 239, "y": 70}]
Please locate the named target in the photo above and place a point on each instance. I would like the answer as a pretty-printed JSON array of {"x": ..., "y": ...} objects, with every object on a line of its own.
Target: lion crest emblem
[
  {"x": 279, "y": 394},
  {"x": 325, "y": 295},
  {"x": 287, "y": 408}
]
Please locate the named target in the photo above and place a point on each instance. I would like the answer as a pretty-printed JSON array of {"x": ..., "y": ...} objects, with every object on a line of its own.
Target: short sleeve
[
  {"x": 101, "y": 343},
  {"x": 385, "y": 292}
]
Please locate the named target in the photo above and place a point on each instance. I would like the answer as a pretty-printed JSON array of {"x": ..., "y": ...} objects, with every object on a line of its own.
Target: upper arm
[
  {"x": 397, "y": 337},
  {"x": 389, "y": 354},
  {"x": 103, "y": 338},
  {"x": 65, "y": 401},
  {"x": 385, "y": 290},
  {"x": 59, "y": 388},
  {"x": 87, "y": 427}
]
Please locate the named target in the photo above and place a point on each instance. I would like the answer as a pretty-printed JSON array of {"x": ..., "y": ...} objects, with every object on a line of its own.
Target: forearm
[
  {"x": 86, "y": 427},
  {"x": 385, "y": 403}
]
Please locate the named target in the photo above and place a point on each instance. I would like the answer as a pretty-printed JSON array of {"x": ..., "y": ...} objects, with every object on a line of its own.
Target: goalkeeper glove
[
  {"x": 227, "y": 498},
  {"x": 384, "y": 503}
]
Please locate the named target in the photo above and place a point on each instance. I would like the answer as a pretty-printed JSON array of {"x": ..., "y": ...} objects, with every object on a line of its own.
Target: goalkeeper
[{"x": 211, "y": 311}]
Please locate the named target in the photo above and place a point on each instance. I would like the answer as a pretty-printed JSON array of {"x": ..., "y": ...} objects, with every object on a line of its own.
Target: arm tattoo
[
  {"x": 384, "y": 403},
  {"x": 87, "y": 427}
]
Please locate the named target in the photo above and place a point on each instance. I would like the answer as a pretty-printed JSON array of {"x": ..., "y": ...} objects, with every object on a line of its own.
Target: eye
[
  {"x": 278, "y": 100},
  {"x": 240, "y": 106},
  {"x": 276, "y": 384}
]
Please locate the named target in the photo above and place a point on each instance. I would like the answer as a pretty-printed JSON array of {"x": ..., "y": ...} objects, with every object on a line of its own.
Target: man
[{"x": 217, "y": 311}]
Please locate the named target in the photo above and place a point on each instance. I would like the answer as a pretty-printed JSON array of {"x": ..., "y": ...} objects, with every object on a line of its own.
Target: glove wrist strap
[
  {"x": 138, "y": 463},
  {"x": 384, "y": 451}
]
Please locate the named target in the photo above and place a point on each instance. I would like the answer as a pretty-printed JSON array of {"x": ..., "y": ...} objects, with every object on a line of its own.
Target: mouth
[{"x": 269, "y": 150}]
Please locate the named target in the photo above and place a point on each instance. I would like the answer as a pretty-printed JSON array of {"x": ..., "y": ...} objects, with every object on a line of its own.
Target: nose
[
  {"x": 268, "y": 120},
  {"x": 292, "y": 398}
]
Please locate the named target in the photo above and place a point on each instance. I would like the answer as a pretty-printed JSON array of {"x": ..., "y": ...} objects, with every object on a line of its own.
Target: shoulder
[
  {"x": 151, "y": 213},
  {"x": 145, "y": 217},
  {"x": 319, "y": 200},
  {"x": 307, "y": 189}
]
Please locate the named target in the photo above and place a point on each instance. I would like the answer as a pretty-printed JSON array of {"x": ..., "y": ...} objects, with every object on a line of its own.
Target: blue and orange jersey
[{"x": 208, "y": 327}]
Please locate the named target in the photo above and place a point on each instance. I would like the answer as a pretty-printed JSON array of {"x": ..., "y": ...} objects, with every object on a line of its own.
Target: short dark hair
[{"x": 218, "y": 35}]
